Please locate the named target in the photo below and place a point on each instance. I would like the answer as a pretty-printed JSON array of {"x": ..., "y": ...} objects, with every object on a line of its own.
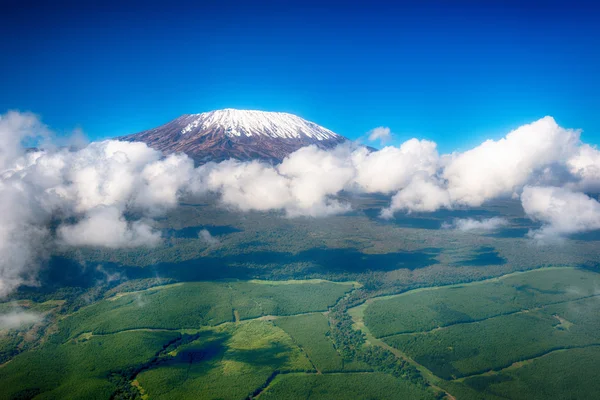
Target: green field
[
  {"x": 521, "y": 336},
  {"x": 229, "y": 363},
  {"x": 428, "y": 309},
  {"x": 196, "y": 304},
  {"x": 530, "y": 335},
  {"x": 564, "y": 374},
  {"x": 468, "y": 349},
  {"x": 311, "y": 333},
  {"x": 184, "y": 340},
  {"x": 79, "y": 369},
  {"x": 344, "y": 386}
]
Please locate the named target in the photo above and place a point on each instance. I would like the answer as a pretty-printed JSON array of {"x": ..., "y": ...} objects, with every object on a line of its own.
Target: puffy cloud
[
  {"x": 163, "y": 181},
  {"x": 538, "y": 153},
  {"x": 15, "y": 129},
  {"x": 393, "y": 168},
  {"x": 561, "y": 211},
  {"x": 380, "y": 133},
  {"x": 22, "y": 239},
  {"x": 94, "y": 192},
  {"x": 420, "y": 195},
  {"x": 308, "y": 180},
  {"x": 314, "y": 176},
  {"x": 209, "y": 239},
  {"x": 501, "y": 168},
  {"x": 585, "y": 164},
  {"x": 245, "y": 186},
  {"x": 18, "y": 319},
  {"x": 474, "y": 225},
  {"x": 107, "y": 227},
  {"x": 93, "y": 188},
  {"x": 302, "y": 185}
]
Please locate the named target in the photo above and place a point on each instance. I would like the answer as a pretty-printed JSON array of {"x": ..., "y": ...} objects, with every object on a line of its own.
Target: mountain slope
[{"x": 241, "y": 134}]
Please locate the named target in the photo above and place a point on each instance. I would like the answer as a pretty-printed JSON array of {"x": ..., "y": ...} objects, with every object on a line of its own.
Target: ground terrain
[{"x": 350, "y": 306}]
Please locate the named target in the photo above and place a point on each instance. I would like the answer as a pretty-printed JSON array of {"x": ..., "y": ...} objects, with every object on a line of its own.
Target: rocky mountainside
[{"x": 240, "y": 134}]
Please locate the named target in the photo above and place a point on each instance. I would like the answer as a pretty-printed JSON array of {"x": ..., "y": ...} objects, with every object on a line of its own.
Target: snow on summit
[{"x": 251, "y": 122}]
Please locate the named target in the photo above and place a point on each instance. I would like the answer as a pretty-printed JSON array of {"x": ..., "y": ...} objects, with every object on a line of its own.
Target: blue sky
[{"x": 454, "y": 74}]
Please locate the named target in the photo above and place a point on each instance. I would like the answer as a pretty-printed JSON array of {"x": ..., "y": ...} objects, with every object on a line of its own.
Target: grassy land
[
  {"x": 254, "y": 300},
  {"x": 78, "y": 370},
  {"x": 468, "y": 349},
  {"x": 311, "y": 333},
  {"x": 27, "y": 334},
  {"x": 229, "y": 363},
  {"x": 233, "y": 360},
  {"x": 427, "y": 309},
  {"x": 343, "y": 386},
  {"x": 566, "y": 374},
  {"x": 196, "y": 304},
  {"x": 552, "y": 309}
]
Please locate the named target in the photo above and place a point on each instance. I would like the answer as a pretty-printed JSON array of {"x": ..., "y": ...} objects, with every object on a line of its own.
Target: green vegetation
[
  {"x": 79, "y": 369},
  {"x": 351, "y": 343},
  {"x": 311, "y": 332},
  {"x": 343, "y": 386},
  {"x": 468, "y": 348},
  {"x": 427, "y": 309},
  {"x": 567, "y": 374},
  {"x": 196, "y": 304},
  {"x": 18, "y": 339},
  {"x": 253, "y": 300},
  {"x": 197, "y": 332},
  {"x": 176, "y": 306},
  {"x": 231, "y": 362}
]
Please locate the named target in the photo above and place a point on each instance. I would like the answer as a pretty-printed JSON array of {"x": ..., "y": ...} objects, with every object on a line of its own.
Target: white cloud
[
  {"x": 381, "y": 133},
  {"x": 585, "y": 164},
  {"x": 95, "y": 187},
  {"x": 420, "y": 195},
  {"x": 500, "y": 168},
  {"x": 314, "y": 176},
  {"x": 18, "y": 319},
  {"x": 474, "y": 225},
  {"x": 107, "y": 227},
  {"x": 22, "y": 239},
  {"x": 15, "y": 129},
  {"x": 302, "y": 185},
  {"x": 392, "y": 168},
  {"x": 561, "y": 211},
  {"x": 209, "y": 239}
]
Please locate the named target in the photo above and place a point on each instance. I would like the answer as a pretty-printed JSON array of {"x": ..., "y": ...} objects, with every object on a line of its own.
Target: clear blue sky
[{"x": 450, "y": 71}]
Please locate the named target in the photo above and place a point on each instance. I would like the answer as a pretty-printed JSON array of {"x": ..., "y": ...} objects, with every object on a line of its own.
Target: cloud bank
[
  {"x": 107, "y": 194},
  {"x": 102, "y": 195}
]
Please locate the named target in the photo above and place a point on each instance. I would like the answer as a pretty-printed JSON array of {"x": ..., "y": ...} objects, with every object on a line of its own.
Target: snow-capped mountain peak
[
  {"x": 251, "y": 122},
  {"x": 241, "y": 134}
]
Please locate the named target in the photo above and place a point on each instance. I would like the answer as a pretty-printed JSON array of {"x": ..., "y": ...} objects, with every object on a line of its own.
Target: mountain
[{"x": 241, "y": 134}]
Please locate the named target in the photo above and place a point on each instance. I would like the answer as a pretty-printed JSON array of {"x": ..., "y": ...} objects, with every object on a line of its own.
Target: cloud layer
[
  {"x": 103, "y": 195},
  {"x": 108, "y": 193}
]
